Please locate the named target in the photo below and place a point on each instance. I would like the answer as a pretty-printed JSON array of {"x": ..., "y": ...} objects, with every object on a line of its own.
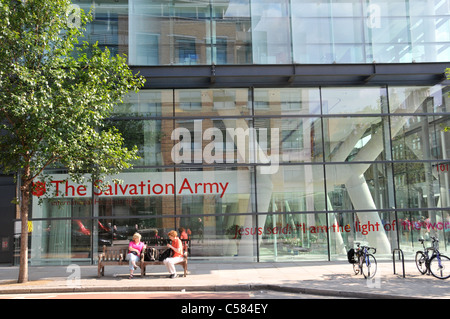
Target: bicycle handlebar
[
  {"x": 434, "y": 239},
  {"x": 368, "y": 248}
]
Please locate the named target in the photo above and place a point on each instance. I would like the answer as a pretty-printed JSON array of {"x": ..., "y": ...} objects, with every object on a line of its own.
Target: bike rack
[{"x": 403, "y": 259}]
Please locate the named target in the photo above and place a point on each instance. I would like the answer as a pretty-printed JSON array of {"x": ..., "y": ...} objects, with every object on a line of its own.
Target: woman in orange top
[{"x": 177, "y": 256}]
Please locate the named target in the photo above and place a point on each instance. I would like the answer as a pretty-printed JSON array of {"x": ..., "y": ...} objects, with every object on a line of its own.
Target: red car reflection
[{"x": 82, "y": 228}]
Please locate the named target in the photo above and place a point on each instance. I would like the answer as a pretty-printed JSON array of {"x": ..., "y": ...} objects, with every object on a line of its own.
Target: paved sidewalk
[{"x": 317, "y": 278}]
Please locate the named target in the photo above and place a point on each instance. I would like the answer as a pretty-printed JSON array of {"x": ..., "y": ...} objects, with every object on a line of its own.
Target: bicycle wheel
[
  {"x": 369, "y": 266},
  {"x": 421, "y": 262},
  {"x": 440, "y": 267}
]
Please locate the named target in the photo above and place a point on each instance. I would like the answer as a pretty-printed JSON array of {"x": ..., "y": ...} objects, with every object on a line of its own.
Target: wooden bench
[
  {"x": 144, "y": 263},
  {"x": 113, "y": 256}
]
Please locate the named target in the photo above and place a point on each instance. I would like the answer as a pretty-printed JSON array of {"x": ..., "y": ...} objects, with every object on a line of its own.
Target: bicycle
[
  {"x": 365, "y": 262},
  {"x": 438, "y": 265}
]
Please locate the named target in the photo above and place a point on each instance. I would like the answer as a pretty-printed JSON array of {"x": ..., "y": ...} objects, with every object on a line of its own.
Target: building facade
[{"x": 271, "y": 130}]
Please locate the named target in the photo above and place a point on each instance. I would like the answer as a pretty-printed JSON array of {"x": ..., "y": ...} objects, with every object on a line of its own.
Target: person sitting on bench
[
  {"x": 177, "y": 256},
  {"x": 134, "y": 252}
]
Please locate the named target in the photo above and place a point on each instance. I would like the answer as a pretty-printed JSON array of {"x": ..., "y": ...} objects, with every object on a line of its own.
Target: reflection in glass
[
  {"x": 408, "y": 31},
  {"x": 419, "y": 138},
  {"x": 350, "y": 185},
  {"x": 271, "y": 38},
  {"x": 109, "y": 25},
  {"x": 362, "y": 188},
  {"x": 215, "y": 102},
  {"x": 378, "y": 165},
  {"x": 287, "y": 237},
  {"x": 353, "y": 100},
  {"x": 327, "y": 32},
  {"x": 119, "y": 231},
  {"x": 231, "y": 40},
  {"x": 294, "y": 188},
  {"x": 152, "y": 137},
  {"x": 162, "y": 33},
  {"x": 198, "y": 32},
  {"x": 210, "y": 201},
  {"x": 66, "y": 236},
  {"x": 271, "y": 31},
  {"x": 414, "y": 225},
  {"x": 419, "y": 99},
  {"x": 291, "y": 139},
  {"x": 286, "y": 101},
  {"x": 354, "y": 138},
  {"x": 146, "y": 103}
]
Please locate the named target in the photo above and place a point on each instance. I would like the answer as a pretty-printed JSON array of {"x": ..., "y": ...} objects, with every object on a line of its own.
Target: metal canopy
[{"x": 220, "y": 76}]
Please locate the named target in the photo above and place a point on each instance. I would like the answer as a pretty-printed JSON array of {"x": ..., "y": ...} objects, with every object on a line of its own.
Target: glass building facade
[
  {"x": 272, "y": 31},
  {"x": 267, "y": 172}
]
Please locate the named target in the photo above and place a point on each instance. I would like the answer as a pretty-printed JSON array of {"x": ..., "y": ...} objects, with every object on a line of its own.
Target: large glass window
[
  {"x": 224, "y": 141},
  {"x": 357, "y": 186},
  {"x": 154, "y": 103},
  {"x": 109, "y": 25},
  {"x": 354, "y": 139},
  {"x": 287, "y": 101},
  {"x": 272, "y": 31},
  {"x": 352, "y": 100},
  {"x": 268, "y": 174},
  {"x": 362, "y": 188},
  {"x": 212, "y": 204},
  {"x": 154, "y": 146},
  {"x": 290, "y": 139},
  {"x": 294, "y": 237},
  {"x": 215, "y": 102},
  {"x": 408, "y": 31},
  {"x": 325, "y": 32},
  {"x": 189, "y": 33},
  {"x": 162, "y": 33},
  {"x": 419, "y": 99},
  {"x": 293, "y": 189},
  {"x": 271, "y": 36},
  {"x": 231, "y": 38},
  {"x": 63, "y": 235}
]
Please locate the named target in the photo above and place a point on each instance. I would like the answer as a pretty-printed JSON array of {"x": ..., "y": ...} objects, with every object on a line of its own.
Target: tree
[{"x": 54, "y": 97}]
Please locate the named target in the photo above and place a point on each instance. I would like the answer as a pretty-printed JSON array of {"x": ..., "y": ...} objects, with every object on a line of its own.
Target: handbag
[
  {"x": 166, "y": 254},
  {"x": 151, "y": 254},
  {"x": 351, "y": 256}
]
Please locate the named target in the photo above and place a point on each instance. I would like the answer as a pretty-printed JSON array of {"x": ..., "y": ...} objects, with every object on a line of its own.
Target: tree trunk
[{"x": 24, "y": 204}]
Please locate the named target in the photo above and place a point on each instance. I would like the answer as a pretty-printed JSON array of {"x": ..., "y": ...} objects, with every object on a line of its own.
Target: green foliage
[{"x": 54, "y": 97}]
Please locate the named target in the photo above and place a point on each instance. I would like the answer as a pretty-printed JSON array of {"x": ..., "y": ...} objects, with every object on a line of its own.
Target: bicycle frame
[
  {"x": 362, "y": 254},
  {"x": 436, "y": 253},
  {"x": 363, "y": 257},
  {"x": 435, "y": 264},
  {"x": 435, "y": 250}
]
